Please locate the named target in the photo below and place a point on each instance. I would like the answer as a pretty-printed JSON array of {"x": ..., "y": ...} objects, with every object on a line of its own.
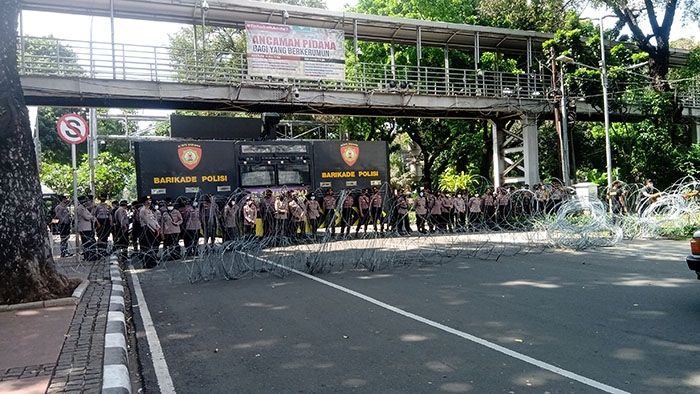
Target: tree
[
  {"x": 113, "y": 176},
  {"x": 633, "y": 13},
  {"x": 27, "y": 269}
]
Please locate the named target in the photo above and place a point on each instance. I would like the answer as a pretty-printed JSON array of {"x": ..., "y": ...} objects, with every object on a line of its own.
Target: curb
[
  {"x": 72, "y": 300},
  {"x": 115, "y": 374}
]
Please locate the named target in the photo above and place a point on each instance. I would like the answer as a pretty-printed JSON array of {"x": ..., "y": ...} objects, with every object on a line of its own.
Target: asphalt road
[{"x": 627, "y": 317}]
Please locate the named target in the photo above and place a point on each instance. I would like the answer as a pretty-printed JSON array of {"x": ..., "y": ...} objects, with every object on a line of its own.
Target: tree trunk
[
  {"x": 27, "y": 270},
  {"x": 659, "y": 67},
  {"x": 427, "y": 170}
]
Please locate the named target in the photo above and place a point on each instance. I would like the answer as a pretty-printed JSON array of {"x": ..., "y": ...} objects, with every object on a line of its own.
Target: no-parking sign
[{"x": 72, "y": 129}]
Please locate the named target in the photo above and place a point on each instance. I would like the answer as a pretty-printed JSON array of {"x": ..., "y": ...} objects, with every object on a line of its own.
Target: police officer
[
  {"x": 171, "y": 220},
  {"x": 121, "y": 231},
  {"x": 363, "y": 203},
  {"x": 375, "y": 212},
  {"x": 281, "y": 215},
  {"x": 402, "y": 224},
  {"x": 135, "y": 224},
  {"x": 460, "y": 212},
  {"x": 297, "y": 210},
  {"x": 420, "y": 206},
  {"x": 267, "y": 212},
  {"x": 434, "y": 210},
  {"x": 250, "y": 213},
  {"x": 447, "y": 207},
  {"x": 313, "y": 213},
  {"x": 86, "y": 228},
  {"x": 65, "y": 221},
  {"x": 329, "y": 202},
  {"x": 475, "y": 207},
  {"x": 348, "y": 214},
  {"x": 230, "y": 220},
  {"x": 193, "y": 225},
  {"x": 489, "y": 207},
  {"x": 150, "y": 232},
  {"x": 503, "y": 203},
  {"x": 103, "y": 214},
  {"x": 210, "y": 219}
]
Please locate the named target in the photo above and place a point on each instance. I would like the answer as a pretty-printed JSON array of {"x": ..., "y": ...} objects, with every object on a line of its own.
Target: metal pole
[
  {"x": 354, "y": 34},
  {"x": 196, "y": 57},
  {"x": 606, "y": 108},
  {"x": 566, "y": 163},
  {"x": 114, "y": 56},
  {"x": 75, "y": 197},
  {"x": 558, "y": 121},
  {"x": 92, "y": 145},
  {"x": 21, "y": 40},
  {"x": 419, "y": 54},
  {"x": 447, "y": 69},
  {"x": 204, "y": 32},
  {"x": 393, "y": 61}
]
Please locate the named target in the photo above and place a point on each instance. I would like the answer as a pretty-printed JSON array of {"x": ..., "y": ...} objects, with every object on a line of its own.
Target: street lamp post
[{"x": 606, "y": 108}]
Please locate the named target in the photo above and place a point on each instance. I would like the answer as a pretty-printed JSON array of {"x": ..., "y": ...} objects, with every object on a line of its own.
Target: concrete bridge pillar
[{"x": 531, "y": 159}]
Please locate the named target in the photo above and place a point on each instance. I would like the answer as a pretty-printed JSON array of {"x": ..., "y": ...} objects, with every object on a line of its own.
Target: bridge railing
[{"x": 101, "y": 60}]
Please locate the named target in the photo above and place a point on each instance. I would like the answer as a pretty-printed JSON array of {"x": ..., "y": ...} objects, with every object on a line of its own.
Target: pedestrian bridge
[{"x": 83, "y": 73}]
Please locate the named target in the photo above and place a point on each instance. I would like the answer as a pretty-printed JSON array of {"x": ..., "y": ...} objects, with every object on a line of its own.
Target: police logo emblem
[
  {"x": 350, "y": 153},
  {"x": 190, "y": 155}
]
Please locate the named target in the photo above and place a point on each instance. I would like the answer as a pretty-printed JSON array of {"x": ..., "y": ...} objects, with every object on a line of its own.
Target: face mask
[
  {"x": 155, "y": 207},
  {"x": 421, "y": 194},
  {"x": 313, "y": 197},
  {"x": 171, "y": 208},
  {"x": 194, "y": 204}
]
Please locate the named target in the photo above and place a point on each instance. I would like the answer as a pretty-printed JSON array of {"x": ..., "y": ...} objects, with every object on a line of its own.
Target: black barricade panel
[
  {"x": 215, "y": 127},
  {"x": 274, "y": 165},
  {"x": 185, "y": 168},
  {"x": 350, "y": 164}
]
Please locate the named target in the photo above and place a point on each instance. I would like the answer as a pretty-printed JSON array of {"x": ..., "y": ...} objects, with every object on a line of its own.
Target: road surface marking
[
  {"x": 522, "y": 357},
  {"x": 165, "y": 382}
]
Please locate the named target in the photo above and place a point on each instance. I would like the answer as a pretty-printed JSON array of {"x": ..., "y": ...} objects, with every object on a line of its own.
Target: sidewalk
[{"x": 58, "y": 349}]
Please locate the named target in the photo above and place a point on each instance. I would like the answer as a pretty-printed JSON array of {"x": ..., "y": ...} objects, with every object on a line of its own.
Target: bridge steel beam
[{"x": 262, "y": 98}]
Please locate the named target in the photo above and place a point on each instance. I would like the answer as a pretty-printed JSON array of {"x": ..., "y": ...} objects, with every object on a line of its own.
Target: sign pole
[
  {"x": 75, "y": 200},
  {"x": 92, "y": 148},
  {"x": 73, "y": 130}
]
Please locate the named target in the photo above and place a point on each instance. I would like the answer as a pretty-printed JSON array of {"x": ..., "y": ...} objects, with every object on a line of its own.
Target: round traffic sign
[{"x": 72, "y": 128}]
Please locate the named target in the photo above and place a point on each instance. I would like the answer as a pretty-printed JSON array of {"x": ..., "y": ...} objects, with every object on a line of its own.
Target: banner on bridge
[{"x": 295, "y": 52}]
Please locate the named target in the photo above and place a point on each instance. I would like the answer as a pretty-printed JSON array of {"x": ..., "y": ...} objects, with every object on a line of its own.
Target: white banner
[{"x": 295, "y": 52}]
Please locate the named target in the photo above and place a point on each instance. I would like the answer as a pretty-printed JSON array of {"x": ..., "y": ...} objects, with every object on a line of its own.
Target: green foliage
[
  {"x": 46, "y": 55},
  {"x": 451, "y": 181},
  {"x": 595, "y": 175},
  {"x": 680, "y": 228},
  {"x": 113, "y": 176},
  {"x": 57, "y": 176}
]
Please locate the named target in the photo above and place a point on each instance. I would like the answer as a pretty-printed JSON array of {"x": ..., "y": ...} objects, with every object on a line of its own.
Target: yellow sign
[
  {"x": 350, "y": 174},
  {"x": 190, "y": 179}
]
